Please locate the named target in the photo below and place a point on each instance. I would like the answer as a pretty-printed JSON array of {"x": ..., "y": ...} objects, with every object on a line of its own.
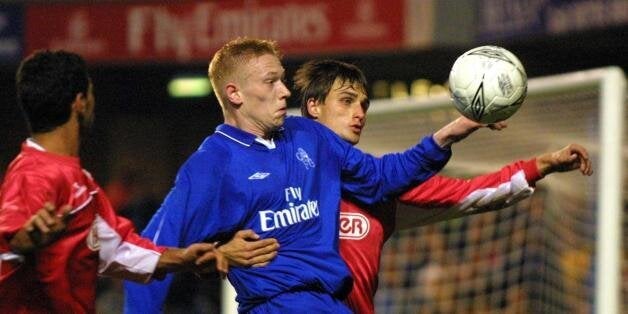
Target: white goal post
[{"x": 394, "y": 125}]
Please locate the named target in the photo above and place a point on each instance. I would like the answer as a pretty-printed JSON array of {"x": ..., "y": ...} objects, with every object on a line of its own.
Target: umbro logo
[
  {"x": 259, "y": 175},
  {"x": 478, "y": 103}
]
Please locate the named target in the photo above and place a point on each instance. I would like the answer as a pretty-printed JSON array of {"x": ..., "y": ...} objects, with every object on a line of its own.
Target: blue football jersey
[{"x": 289, "y": 189}]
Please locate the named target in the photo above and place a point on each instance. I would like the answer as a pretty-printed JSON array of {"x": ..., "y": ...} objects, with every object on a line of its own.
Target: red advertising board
[{"x": 193, "y": 30}]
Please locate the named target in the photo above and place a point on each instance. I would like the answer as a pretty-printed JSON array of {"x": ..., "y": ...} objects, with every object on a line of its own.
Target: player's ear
[
  {"x": 233, "y": 94},
  {"x": 80, "y": 103},
  {"x": 313, "y": 107}
]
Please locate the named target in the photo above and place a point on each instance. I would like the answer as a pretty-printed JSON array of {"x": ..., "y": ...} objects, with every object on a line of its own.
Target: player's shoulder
[
  {"x": 214, "y": 147},
  {"x": 29, "y": 168},
  {"x": 211, "y": 155},
  {"x": 297, "y": 124},
  {"x": 33, "y": 165}
]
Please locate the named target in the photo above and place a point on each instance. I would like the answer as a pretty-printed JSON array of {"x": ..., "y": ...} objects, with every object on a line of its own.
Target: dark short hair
[
  {"x": 47, "y": 83},
  {"x": 315, "y": 78}
]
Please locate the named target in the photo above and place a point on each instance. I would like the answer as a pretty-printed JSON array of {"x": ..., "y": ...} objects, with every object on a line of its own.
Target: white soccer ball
[{"x": 488, "y": 84}]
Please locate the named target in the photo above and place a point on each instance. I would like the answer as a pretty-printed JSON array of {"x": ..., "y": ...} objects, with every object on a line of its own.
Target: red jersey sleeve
[
  {"x": 123, "y": 253},
  {"x": 441, "y": 198}
]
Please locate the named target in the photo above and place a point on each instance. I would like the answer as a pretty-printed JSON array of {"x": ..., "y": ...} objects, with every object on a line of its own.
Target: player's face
[
  {"x": 263, "y": 95},
  {"x": 344, "y": 111}
]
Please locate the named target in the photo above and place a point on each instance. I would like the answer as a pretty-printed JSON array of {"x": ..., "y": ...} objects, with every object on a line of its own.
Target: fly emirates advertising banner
[{"x": 194, "y": 30}]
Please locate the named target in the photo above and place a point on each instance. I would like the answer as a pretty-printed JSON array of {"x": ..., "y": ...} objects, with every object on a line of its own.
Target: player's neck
[
  {"x": 63, "y": 140},
  {"x": 249, "y": 127}
]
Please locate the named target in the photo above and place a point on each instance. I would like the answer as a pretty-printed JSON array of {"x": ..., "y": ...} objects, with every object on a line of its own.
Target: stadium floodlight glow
[{"x": 189, "y": 86}]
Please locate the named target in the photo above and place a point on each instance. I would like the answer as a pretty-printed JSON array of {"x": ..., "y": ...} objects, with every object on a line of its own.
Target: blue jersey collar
[{"x": 237, "y": 135}]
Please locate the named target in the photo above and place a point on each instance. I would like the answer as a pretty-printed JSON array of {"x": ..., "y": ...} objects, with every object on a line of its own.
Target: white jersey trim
[
  {"x": 123, "y": 259},
  {"x": 270, "y": 144},
  {"x": 233, "y": 139},
  {"x": 504, "y": 195},
  {"x": 478, "y": 201},
  {"x": 31, "y": 143}
]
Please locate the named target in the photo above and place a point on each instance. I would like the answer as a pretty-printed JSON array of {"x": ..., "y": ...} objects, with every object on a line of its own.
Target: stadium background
[{"x": 142, "y": 134}]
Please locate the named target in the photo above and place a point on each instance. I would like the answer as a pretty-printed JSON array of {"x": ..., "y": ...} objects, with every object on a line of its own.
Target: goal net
[{"x": 559, "y": 251}]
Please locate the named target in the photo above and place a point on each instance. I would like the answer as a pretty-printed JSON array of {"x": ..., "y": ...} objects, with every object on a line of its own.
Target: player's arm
[
  {"x": 124, "y": 254},
  {"x": 198, "y": 257},
  {"x": 442, "y": 198},
  {"x": 245, "y": 249},
  {"x": 371, "y": 180},
  {"x": 41, "y": 229},
  {"x": 570, "y": 157},
  {"x": 460, "y": 129}
]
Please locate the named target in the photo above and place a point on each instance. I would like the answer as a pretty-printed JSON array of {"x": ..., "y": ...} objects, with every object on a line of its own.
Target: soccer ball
[{"x": 488, "y": 84}]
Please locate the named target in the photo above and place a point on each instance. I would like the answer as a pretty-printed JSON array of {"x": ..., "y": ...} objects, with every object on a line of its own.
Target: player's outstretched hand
[
  {"x": 570, "y": 157},
  {"x": 497, "y": 126},
  {"x": 460, "y": 128},
  {"x": 41, "y": 229},
  {"x": 246, "y": 249}
]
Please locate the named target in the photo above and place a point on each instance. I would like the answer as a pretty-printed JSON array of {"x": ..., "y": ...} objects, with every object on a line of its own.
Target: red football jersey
[
  {"x": 363, "y": 230},
  {"x": 61, "y": 277}
]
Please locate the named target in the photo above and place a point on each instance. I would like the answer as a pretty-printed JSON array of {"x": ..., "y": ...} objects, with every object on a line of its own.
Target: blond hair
[{"x": 227, "y": 60}]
